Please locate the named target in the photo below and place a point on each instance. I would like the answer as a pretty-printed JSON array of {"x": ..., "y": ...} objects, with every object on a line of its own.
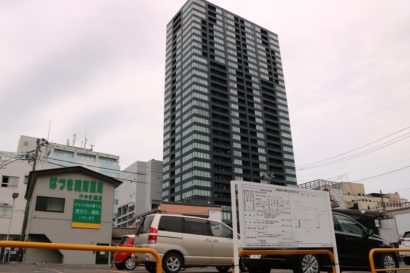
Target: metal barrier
[
  {"x": 374, "y": 250},
  {"x": 84, "y": 248},
  {"x": 291, "y": 252}
]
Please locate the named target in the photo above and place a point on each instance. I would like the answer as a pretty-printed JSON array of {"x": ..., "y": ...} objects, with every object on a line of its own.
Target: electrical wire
[
  {"x": 13, "y": 159},
  {"x": 364, "y": 166},
  {"x": 8, "y": 162},
  {"x": 359, "y": 154},
  {"x": 122, "y": 179},
  {"x": 353, "y": 150},
  {"x": 41, "y": 159},
  {"x": 382, "y": 174},
  {"x": 88, "y": 165},
  {"x": 95, "y": 166}
]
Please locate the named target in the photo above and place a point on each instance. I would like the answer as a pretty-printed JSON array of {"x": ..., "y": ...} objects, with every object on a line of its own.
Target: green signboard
[
  {"x": 86, "y": 214},
  {"x": 86, "y": 189},
  {"x": 76, "y": 185}
]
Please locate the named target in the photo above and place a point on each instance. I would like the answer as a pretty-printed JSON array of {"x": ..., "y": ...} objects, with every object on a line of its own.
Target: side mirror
[{"x": 370, "y": 232}]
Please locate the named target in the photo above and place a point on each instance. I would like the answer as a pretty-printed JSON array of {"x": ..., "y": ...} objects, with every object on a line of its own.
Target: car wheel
[
  {"x": 223, "y": 269},
  {"x": 388, "y": 261},
  {"x": 129, "y": 263},
  {"x": 406, "y": 260},
  {"x": 151, "y": 267},
  {"x": 119, "y": 266},
  {"x": 307, "y": 263},
  {"x": 172, "y": 263}
]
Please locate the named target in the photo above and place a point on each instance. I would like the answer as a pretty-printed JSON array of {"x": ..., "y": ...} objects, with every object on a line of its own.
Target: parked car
[
  {"x": 184, "y": 241},
  {"x": 404, "y": 242},
  {"x": 123, "y": 260},
  {"x": 354, "y": 242}
]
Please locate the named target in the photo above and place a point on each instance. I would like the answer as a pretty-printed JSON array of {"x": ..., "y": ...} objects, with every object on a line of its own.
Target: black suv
[{"x": 353, "y": 241}]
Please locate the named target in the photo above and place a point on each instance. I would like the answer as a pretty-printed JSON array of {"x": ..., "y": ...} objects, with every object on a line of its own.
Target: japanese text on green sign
[
  {"x": 76, "y": 185},
  {"x": 86, "y": 211}
]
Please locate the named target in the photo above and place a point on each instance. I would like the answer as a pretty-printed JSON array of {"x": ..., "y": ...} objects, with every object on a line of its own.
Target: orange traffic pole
[
  {"x": 84, "y": 247},
  {"x": 374, "y": 250}
]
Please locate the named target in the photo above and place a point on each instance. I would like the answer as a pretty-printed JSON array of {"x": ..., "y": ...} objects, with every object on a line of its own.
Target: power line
[
  {"x": 8, "y": 162},
  {"x": 382, "y": 174},
  {"x": 88, "y": 165},
  {"x": 382, "y": 166},
  {"x": 359, "y": 154},
  {"x": 41, "y": 161},
  {"x": 375, "y": 165},
  {"x": 355, "y": 149},
  {"x": 122, "y": 179},
  {"x": 95, "y": 166}
]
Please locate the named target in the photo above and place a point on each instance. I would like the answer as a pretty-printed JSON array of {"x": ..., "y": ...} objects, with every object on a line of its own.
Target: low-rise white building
[
  {"x": 13, "y": 174},
  {"x": 140, "y": 191},
  {"x": 69, "y": 205},
  {"x": 15, "y": 167}
]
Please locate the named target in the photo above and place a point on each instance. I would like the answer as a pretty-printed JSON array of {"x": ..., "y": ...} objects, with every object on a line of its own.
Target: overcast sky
[{"x": 96, "y": 69}]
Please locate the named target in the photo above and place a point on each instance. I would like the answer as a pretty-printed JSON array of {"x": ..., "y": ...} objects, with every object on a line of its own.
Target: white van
[{"x": 184, "y": 241}]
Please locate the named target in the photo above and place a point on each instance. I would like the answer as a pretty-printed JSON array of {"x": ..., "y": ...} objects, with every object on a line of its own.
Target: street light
[{"x": 14, "y": 196}]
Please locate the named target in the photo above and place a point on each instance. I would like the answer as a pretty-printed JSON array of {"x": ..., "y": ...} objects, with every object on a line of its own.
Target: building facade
[
  {"x": 226, "y": 114},
  {"x": 15, "y": 167},
  {"x": 140, "y": 191},
  {"x": 69, "y": 155},
  {"x": 352, "y": 195},
  {"x": 14, "y": 170},
  {"x": 69, "y": 205}
]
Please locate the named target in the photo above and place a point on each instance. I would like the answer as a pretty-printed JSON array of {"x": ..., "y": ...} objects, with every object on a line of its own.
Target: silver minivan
[{"x": 184, "y": 241}]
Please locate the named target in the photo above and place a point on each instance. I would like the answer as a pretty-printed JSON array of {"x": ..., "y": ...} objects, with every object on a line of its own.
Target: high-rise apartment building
[{"x": 226, "y": 115}]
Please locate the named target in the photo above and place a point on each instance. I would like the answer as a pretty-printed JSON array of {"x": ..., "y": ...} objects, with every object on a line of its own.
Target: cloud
[{"x": 98, "y": 67}]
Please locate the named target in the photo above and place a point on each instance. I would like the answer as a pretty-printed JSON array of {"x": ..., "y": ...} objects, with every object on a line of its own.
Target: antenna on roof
[
  {"x": 74, "y": 137},
  {"x": 85, "y": 140},
  {"x": 49, "y": 127}
]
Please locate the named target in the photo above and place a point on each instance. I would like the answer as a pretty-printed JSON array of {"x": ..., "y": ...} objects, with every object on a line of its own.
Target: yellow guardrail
[
  {"x": 81, "y": 247},
  {"x": 374, "y": 250},
  {"x": 291, "y": 252}
]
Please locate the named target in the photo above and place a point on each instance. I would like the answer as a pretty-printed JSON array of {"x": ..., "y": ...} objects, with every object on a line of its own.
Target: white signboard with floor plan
[{"x": 277, "y": 217}]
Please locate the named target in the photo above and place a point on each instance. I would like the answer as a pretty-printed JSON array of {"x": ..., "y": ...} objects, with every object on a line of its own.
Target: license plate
[{"x": 255, "y": 256}]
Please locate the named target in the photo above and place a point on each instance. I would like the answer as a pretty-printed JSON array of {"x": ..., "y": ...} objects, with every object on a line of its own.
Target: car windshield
[{"x": 145, "y": 224}]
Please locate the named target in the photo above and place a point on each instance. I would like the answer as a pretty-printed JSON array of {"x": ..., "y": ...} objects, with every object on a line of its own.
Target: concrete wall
[
  {"x": 355, "y": 189},
  {"x": 57, "y": 226}
]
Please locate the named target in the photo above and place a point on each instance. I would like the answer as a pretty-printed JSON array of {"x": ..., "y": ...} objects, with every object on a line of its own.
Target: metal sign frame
[{"x": 237, "y": 207}]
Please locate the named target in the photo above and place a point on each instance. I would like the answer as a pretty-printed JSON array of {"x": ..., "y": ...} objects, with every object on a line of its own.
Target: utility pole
[{"x": 39, "y": 143}]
